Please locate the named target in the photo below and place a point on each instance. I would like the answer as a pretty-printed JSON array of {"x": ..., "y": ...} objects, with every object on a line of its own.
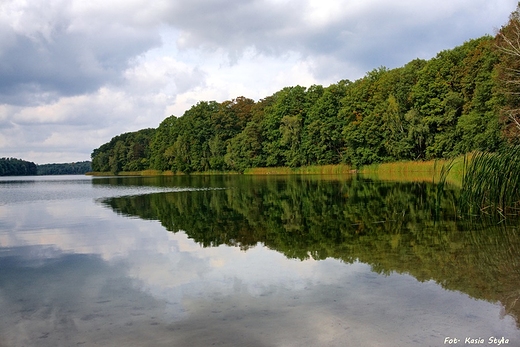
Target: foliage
[
  {"x": 17, "y": 167},
  {"x": 78, "y": 168},
  {"x": 125, "y": 152},
  {"x": 322, "y": 142},
  {"x": 508, "y": 73},
  {"x": 245, "y": 150},
  {"x": 491, "y": 184}
]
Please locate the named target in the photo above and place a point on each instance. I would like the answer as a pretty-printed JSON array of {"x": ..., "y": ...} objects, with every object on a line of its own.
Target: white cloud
[
  {"x": 70, "y": 128},
  {"x": 319, "y": 13}
]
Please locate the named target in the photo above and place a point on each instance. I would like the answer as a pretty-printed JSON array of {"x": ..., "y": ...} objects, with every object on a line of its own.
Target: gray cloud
[
  {"x": 367, "y": 35},
  {"x": 42, "y": 61},
  {"x": 232, "y": 25}
]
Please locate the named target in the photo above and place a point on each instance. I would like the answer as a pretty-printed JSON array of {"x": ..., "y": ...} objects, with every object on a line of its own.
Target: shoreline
[{"x": 394, "y": 171}]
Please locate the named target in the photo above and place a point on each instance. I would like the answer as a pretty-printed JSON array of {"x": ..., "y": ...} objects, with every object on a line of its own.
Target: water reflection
[
  {"x": 388, "y": 225},
  {"x": 256, "y": 262}
]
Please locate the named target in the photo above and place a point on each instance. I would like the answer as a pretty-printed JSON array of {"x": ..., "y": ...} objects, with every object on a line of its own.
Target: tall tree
[
  {"x": 282, "y": 126},
  {"x": 245, "y": 150},
  {"x": 160, "y": 146},
  {"x": 362, "y": 109},
  {"x": 322, "y": 140},
  {"x": 228, "y": 122},
  {"x": 479, "y": 125},
  {"x": 508, "y": 42}
]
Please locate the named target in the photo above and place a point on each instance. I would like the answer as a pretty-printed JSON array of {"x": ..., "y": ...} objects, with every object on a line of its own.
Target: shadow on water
[{"x": 393, "y": 227}]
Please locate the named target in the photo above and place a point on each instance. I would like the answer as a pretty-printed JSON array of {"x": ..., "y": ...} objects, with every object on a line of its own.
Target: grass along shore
[
  {"x": 304, "y": 170},
  {"x": 398, "y": 171},
  {"x": 418, "y": 171}
]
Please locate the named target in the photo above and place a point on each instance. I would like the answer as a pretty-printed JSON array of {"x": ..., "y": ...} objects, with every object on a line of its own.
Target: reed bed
[
  {"x": 417, "y": 171},
  {"x": 491, "y": 183},
  {"x": 304, "y": 170}
]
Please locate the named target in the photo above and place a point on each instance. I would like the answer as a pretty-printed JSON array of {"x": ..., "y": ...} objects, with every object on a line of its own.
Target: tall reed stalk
[
  {"x": 441, "y": 183},
  {"x": 491, "y": 183}
]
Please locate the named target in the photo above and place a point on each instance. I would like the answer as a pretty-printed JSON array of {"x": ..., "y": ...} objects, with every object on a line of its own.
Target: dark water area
[{"x": 251, "y": 261}]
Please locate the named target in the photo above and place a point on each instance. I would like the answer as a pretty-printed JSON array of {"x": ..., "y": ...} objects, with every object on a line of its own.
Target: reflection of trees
[{"x": 389, "y": 225}]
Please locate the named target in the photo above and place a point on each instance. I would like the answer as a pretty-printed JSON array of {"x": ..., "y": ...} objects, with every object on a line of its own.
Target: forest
[
  {"x": 77, "y": 168},
  {"x": 458, "y": 102},
  {"x": 19, "y": 167},
  {"x": 16, "y": 167}
]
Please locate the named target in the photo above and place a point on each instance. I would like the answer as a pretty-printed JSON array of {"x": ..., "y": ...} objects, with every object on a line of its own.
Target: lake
[{"x": 251, "y": 261}]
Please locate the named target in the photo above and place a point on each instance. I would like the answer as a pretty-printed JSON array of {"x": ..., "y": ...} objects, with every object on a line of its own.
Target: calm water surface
[{"x": 250, "y": 261}]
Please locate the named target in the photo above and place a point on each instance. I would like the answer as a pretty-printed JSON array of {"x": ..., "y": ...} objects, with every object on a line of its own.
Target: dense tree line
[
  {"x": 125, "y": 152},
  {"x": 17, "y": 167},
  {"x": 77, "y": 168},
  {"x": 438, "y": 108}
]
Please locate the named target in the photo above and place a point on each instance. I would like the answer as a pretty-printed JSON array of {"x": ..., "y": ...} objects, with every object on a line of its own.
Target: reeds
[
  {"x": 440, "y": 170},
  {"x": 443, "y": 173},
  {"x": 304, "y": 170},
  {"x": 491, "y": 183}
]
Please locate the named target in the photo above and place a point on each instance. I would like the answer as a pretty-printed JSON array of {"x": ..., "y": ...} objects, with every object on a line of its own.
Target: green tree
[
  {"x": 228, "y": 122},
  {"x": 322, "y": 139},
  {"x": 125, "y": 152},
  {"x": 246, "y": 149},
  {"x": 508, "y": 77},
  {"x": 289, "y": 102},
  {"x": 361, "y": 110},
  {"x": 479, "y": 125},
  {"x": 404, "y": 137},
  {"x": 160, "y": 146},
  {"x": 446, "y": 106}
]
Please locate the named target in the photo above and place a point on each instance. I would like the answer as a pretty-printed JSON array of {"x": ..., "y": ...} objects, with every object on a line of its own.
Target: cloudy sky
[{"x": 73, "y": 74}]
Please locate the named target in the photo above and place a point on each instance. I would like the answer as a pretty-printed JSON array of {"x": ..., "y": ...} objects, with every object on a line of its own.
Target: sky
[{"x": 74, "y": 74}]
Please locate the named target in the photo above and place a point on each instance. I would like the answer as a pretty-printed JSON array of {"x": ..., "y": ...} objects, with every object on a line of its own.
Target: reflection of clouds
[
  {"x": 161, "y": 272},
  {"x": 216, "y": 268},
  {"x": 173, "y": 299},
  {"x": 71, "y": 300},
  {"x": 100, "y": 277},
  {"x": 74, "y": 188},
  {"x": 185, "y": 244},
  {"x": 158, "y": 259},
  {"x": 78, "y": 227},
  {"x": 3, "y": 215},
  {"x": 363, "y": 310}
]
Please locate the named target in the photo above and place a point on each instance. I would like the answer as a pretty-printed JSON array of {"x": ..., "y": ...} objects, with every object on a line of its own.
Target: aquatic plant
[
  {"x": 491, "y": 183},
  {"x": 441, "y": 183}
]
